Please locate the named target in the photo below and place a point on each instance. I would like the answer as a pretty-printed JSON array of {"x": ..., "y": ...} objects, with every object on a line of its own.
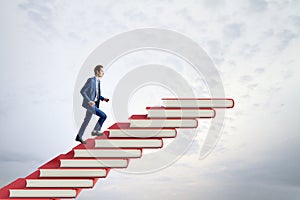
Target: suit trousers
[{"x": 88, "y": 115}]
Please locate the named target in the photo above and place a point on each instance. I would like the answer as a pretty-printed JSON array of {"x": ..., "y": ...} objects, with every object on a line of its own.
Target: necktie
[{"x": 98, "y": 90}]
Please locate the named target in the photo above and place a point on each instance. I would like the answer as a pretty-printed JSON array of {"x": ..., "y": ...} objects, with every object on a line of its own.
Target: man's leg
[
  {"x": 101, "y": 120},
  {"x": 86, "y": 121}
]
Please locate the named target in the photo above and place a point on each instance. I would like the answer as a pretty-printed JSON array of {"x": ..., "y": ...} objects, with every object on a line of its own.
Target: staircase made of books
[{"x": 66, "y": 175}]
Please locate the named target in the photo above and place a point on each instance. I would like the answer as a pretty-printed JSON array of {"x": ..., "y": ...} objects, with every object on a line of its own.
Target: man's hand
[
  {"x": 106, "y": 99},
  {"x": 92, "y": 103}
]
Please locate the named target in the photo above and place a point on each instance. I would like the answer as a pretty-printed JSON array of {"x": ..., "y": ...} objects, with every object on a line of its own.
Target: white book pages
[
  {"x": 107, "y": 153},
  {"x": 214, "y": 103},
  {"x": 64, "y": 183},
  {"x": 180, "y": 113},
  {"x": 86, "y": 163},
  {"x": 72, "y": 173},
  {"x": 168, "y": 123},
  {"x": 30, "y": 193},
  {"x": 128, "y": 143},
  {"x": 141, "y": 133}
]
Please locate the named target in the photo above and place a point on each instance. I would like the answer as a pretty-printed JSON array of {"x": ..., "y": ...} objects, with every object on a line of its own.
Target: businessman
[{"x": 91, "y": 93}]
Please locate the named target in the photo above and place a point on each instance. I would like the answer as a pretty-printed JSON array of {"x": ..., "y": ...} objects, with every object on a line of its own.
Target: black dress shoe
[
  {"x": 80, "y": 140},
  {"x": 96, "y": 133}
]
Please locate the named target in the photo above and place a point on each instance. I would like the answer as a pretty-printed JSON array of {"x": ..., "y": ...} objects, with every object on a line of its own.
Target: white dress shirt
[{"x": 97, "y": 90}]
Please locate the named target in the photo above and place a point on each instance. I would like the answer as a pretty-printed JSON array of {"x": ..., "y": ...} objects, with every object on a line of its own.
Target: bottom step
[{"x": 25, "y": 193}]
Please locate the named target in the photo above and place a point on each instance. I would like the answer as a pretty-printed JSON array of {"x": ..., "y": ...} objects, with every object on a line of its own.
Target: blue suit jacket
[{"x": 89, "y": 92}]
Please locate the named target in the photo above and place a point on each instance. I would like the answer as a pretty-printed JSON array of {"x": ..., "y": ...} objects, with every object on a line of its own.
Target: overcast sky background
[{"x": 253, "y": 43}]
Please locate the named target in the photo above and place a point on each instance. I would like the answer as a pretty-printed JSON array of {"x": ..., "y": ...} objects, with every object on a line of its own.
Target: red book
[
  {"x": 123, "y": 130},
  {"x": 165, "y": 112},
  {"x": 198, "y": 102},
  {"x": 142, "y": 121}
]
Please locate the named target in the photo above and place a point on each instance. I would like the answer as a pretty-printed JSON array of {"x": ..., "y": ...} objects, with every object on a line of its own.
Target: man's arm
[{"x": 84, "y": 90}]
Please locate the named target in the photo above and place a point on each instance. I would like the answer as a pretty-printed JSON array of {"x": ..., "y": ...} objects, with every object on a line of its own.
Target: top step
[{"x": 198, "y": 102}]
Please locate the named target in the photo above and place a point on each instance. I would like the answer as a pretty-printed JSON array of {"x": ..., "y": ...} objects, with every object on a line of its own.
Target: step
[
  {"x": 164, "y": 112},
  {"x": 72, "y": 173},
  {"x": 42, "y": 193},
  {"x": 59, "y": 183},
  {"x": 128, "y": 143},
  {"x": 93, "y": 163},
  {"x": 123, "y": 130},
  {"x": 198, "y": 102},
  {"x": 31, "y": 198},
  {"x": 143, "y": 121},
  {"x": 107, "y": 153}
]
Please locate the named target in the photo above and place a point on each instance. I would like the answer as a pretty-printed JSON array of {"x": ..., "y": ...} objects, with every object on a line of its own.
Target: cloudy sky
[{"x": 253, "y": 44}]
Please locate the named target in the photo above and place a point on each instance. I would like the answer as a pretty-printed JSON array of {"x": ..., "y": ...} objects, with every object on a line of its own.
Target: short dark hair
[{"x": 98, "y": 68}]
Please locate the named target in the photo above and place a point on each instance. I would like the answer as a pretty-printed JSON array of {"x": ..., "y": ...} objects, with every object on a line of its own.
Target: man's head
[{"x": 99, "y": 71}]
